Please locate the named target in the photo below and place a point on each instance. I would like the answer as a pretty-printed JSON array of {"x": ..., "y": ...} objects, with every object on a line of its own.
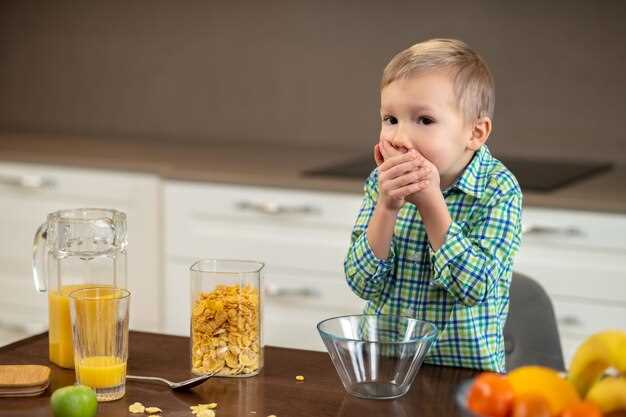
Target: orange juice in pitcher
[
  {"x": 76, "y": 249},
  {"x": 61, "y": 349},
  {"x": 60, "y": 329}
]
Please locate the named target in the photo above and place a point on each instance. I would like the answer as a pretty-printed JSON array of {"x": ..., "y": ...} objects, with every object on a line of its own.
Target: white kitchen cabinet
[
  {"x": 302, "y": 236},
  {"x": 580, "y": 259},
  {"x": 28, "y": 192}
]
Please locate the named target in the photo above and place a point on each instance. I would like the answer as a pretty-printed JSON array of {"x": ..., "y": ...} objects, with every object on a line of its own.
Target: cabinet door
[
  {"x": 580, "y": 259},
  {"x": 177, "y": 293},
  {"x": 578, "y": 319},
  {"x": 294, "y": 301},
  {"x": 299, "y": 229},
  {"x": 301, "y": 236},
  {"x": 29, "y": 192},
  {"x": 573, "y": 254},
  {"x": 587, "y": 231},
  {"x": 590, "y": 274}
]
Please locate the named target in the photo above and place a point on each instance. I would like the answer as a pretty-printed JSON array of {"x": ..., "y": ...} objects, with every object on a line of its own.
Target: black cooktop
[{"x": 532, "y": 174}]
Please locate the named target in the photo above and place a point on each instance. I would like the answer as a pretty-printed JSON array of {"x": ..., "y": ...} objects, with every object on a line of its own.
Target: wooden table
[{"x": 274, "y": 391}]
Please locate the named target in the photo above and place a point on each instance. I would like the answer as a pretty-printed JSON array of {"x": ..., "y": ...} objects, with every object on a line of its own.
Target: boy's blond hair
[{"x": 473, "y": 83}]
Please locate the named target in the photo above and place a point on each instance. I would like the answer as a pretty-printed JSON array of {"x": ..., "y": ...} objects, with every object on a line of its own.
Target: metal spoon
[{"x": 176, "y": 386}]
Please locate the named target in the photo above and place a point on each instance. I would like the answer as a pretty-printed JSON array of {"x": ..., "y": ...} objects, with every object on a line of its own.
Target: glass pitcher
[{"x": 76, "y": 249}]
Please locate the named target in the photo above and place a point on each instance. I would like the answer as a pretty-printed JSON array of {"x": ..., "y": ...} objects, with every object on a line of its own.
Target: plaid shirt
[{"x": 462, "y": 288}]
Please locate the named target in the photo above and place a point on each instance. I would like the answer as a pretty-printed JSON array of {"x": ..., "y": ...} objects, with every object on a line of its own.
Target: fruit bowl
[
  {"x": 377, "y": 356},
  {"x": 595, "y": 384},
  {"x": 526, "y": 391}
]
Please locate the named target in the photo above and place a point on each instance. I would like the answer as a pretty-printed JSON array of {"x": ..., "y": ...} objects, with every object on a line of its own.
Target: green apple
[{"x": 74, "y": 401}]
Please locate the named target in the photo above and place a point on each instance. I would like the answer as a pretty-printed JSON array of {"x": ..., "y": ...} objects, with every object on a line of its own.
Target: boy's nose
[{"x": 401, "y": 141}]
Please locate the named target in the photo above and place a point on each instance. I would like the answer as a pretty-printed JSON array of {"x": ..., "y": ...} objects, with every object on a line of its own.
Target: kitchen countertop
[
  {"x": 263, "y": 165},
  {"x": 273, "y": 391}
]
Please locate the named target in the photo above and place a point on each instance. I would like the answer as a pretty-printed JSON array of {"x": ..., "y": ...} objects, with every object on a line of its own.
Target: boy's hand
[
  {"x": 384, "y": 150},
  {"x": 400, "y": 175},
  {"x": 432, "y": 185}
]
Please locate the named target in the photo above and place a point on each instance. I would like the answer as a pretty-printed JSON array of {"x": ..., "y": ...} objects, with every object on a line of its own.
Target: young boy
[{"x": 440, "y": 220}]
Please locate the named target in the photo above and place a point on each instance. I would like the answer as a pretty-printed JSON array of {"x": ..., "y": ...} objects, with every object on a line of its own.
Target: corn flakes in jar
[{"x": 226, "y": 318}]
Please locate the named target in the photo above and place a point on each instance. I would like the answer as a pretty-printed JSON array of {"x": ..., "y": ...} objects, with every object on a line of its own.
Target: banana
[
  {"x": 609, "y": 394},
  {"x": 597, "y": 353}
]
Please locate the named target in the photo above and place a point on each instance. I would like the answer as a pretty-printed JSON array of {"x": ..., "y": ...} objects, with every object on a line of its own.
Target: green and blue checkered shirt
[{"x": 462, "y": 288}]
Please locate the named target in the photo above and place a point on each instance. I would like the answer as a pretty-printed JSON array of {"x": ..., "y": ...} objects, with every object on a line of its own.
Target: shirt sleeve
[
  {"x": 365, "y": 273},
  {"x": 471, "y": 261}
]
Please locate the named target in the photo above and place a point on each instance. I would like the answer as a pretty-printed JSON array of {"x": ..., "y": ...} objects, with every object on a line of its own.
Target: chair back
[{"x": 531, "y": 335}]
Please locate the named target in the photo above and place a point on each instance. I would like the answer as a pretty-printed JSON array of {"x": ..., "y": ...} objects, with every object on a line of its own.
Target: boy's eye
[
  {"x": 390, "y": 120},
  {"x": 424, "y": 120}
]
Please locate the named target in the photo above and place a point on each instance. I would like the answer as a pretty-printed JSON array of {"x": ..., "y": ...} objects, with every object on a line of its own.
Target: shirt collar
[{"x": 473, "y": 180}]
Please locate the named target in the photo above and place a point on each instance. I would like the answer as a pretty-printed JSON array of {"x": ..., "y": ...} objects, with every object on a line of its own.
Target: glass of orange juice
[{"x": 100, "y": 332}]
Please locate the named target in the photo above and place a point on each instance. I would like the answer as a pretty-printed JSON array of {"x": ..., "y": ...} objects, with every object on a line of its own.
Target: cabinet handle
[
  {"x": 277, "y": 291},
  {"x": 570, "y": 321},
  {"x": 31, "y": 182},
  {"x": 570, "y": 231},
  {"x": 275, "y": 208}
]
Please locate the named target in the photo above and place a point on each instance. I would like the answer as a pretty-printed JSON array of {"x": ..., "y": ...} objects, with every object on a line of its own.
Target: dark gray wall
[{"x": 305, "y": 73}]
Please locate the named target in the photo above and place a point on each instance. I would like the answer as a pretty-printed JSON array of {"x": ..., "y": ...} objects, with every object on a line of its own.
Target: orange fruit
[
  {"x": 546, "y": 383},
  {"x": 582, "y": 409},
  {"x": 530, "y": 405},
  {"x": 490, "y": 395}
]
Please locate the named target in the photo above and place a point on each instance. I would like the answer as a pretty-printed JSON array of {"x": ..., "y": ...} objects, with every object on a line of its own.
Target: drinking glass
[{"x": 100, "y": 330}]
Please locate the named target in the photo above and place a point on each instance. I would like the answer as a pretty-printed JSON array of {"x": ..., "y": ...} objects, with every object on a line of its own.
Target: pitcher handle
[{"x": 39, "y": 258}]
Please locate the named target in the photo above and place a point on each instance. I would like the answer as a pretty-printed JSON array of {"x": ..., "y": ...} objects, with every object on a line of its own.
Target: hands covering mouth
[{"x": 405, "y": 175}]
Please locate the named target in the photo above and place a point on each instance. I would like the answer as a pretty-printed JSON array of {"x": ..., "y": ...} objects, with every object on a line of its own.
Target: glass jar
[{"x": 226, "y": 317}]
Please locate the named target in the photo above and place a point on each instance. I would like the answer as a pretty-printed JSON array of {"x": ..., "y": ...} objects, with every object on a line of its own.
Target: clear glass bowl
[{"x": 377, "y": 357}]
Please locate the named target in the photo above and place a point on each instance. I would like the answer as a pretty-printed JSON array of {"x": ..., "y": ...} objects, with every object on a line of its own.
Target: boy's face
[{"x": 421, "y": 113}]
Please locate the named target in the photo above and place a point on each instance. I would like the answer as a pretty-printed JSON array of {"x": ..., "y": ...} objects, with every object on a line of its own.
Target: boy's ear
[{"x": 480, "y": 133}]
